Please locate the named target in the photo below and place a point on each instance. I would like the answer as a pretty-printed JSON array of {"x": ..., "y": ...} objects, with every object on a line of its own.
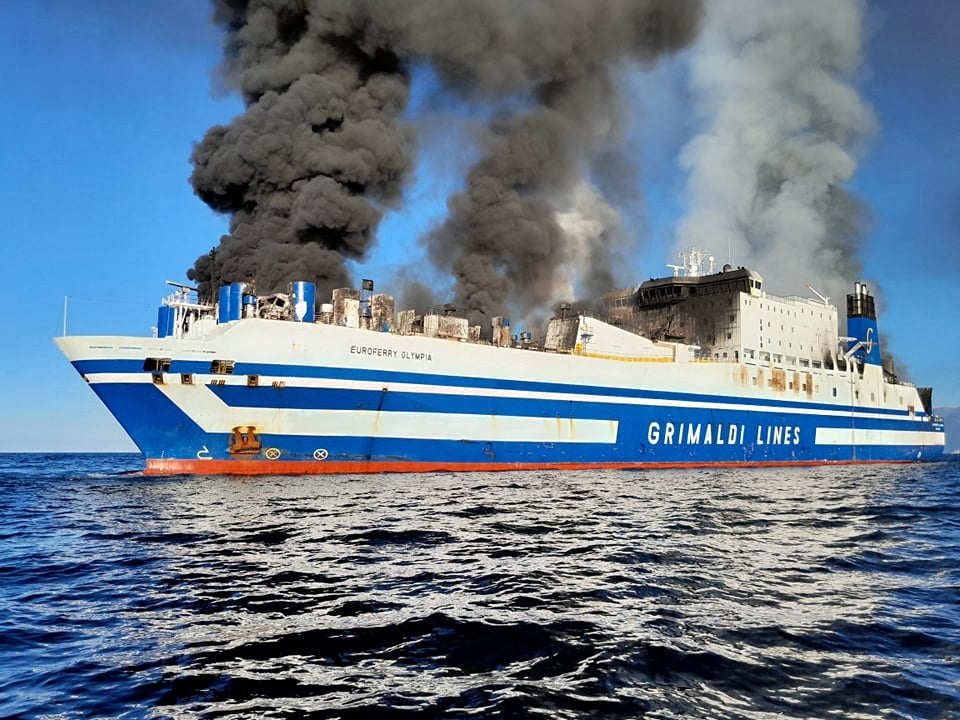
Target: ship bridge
[
  {"x": 727, "y": 315},
  {"x": 667, "y": 291}
]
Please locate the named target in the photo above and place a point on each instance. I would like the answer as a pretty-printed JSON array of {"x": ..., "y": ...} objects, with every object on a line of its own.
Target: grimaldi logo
[{"x": 699, "y": 433}]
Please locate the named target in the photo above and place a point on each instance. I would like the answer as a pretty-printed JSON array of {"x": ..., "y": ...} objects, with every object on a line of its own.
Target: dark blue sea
[{"x": 826, "y": 592}]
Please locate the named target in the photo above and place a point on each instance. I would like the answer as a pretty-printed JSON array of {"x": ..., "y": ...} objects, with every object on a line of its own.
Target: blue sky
[{"x": 103, "y": 101}]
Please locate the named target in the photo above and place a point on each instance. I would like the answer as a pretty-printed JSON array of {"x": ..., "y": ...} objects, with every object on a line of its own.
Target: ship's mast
[{"x": 691, "y": 263}]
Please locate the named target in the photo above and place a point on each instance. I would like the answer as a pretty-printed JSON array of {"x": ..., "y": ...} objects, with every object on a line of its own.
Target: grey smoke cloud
[
  {"x": 323, "y": 149},
  {"x": 782, "y": 128}
]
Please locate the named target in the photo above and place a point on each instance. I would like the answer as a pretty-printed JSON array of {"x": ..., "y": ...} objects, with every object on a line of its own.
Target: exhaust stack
[{"x": 862, "y": 326}]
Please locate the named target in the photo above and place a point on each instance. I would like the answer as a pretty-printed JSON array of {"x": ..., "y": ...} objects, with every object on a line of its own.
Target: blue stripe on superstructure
[{"x": 390, "y": 376}]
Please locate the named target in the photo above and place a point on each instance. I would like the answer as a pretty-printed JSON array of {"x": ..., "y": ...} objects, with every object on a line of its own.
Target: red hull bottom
[{"x": 297, "y": 467}]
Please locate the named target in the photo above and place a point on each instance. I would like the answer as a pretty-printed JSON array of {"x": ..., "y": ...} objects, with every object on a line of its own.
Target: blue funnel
[{"x": 862, "y": 325}]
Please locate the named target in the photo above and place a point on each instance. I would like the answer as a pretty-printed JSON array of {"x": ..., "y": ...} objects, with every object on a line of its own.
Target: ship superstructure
[
  {"x": 729, "y": 316},
  {"x": 701, "y": 368}
]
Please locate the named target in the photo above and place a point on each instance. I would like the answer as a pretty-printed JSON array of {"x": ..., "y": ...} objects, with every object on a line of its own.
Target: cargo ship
[{"x": 697, "y": 368}]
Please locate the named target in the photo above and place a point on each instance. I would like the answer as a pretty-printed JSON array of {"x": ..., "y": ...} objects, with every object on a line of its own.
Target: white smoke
[
  {"x": 594, "y": 241},
  {"x": 782, "y": 126}
]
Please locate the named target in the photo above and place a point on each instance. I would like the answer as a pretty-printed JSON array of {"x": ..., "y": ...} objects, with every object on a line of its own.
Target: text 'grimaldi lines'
[{"x": 721, "y": 434}]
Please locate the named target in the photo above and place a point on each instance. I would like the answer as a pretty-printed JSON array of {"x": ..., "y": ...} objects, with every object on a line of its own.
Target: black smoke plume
[{"x": 323, "y": 149}]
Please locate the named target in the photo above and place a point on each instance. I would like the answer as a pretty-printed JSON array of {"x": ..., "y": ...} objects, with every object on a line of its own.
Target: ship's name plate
[{"x": 384, "y": 352}]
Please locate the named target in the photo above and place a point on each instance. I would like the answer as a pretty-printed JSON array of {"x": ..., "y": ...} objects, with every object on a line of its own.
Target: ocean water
[{"x": 825, "y": 592}]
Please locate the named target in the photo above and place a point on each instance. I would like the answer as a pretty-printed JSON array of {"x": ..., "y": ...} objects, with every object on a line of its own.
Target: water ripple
[{"x": 802, "y": 593}]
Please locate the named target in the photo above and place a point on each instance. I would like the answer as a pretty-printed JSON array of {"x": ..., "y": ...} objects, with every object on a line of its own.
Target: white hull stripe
[
  {"x": 336, "y": 384},
  {"x": 429, "y": 426},
  {"x": 213, "y": 416},
  {"x": 852, "y": 436}
]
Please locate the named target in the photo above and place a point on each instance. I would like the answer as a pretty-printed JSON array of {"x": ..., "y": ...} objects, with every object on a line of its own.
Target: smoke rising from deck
[
  {"x": 307, "y": 170},
  {"x": 783, "y": 125},
  {"x": 323, "y": 148}
]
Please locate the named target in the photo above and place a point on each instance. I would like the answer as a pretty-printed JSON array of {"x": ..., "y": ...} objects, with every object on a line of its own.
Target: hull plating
[{"x": 341, "y": 429}]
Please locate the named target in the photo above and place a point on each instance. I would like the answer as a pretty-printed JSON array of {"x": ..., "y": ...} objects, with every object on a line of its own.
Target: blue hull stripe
[
  {"x": 240, "y": 396},
  {"x": 87, "y": 367}
]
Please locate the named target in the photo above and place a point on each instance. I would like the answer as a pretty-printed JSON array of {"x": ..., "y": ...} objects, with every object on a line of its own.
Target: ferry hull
[
  {"x": 283, "y": 417},
  {"x": 263, "y": 386}
]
